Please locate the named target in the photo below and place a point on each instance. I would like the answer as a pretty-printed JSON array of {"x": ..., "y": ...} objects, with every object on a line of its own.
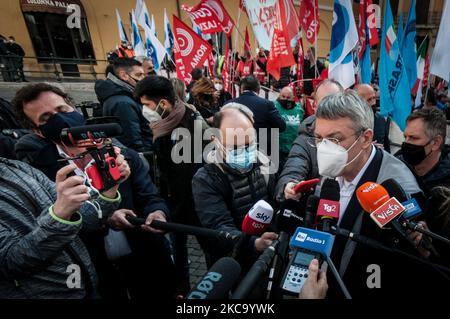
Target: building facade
[{"x": 51, "y": 46}]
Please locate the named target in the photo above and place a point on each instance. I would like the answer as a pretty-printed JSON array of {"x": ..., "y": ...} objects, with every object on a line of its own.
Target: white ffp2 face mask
[
  {"x": 151, "y": 115},
  {"x": 332, "y": 158}
]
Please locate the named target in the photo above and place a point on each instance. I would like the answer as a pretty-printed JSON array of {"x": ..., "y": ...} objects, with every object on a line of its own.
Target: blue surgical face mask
[
  {"x": 242, "y": 158},
  {"x": 59, "y": 121}
]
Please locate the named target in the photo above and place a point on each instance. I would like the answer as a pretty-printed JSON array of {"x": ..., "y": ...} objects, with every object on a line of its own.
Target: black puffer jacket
[
  {"x": 302, "y": 161},
  {"x": 224, "y": 196}
]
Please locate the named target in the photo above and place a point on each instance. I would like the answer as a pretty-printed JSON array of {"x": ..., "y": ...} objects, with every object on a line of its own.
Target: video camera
[{"x": 102, "y": 170}]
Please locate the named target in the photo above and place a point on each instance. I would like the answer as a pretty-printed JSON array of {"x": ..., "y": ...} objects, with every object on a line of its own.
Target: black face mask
[
  {"x": 414, "y": 154},
  {"x": 59, "y": 121},
  {"x": 287, "y": 104}
]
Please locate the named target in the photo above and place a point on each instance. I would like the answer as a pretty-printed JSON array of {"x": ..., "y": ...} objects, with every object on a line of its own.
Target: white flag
[
  {"x": 440, "y": 62},
  {"x": 344, "y": 37}
]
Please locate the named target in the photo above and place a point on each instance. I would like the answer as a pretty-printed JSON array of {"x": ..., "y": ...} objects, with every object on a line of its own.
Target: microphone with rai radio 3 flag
[
  {"x": 254, "y": 224},
  {"x": 218, "y": 281},
  {"x": 329, "y": 207}
]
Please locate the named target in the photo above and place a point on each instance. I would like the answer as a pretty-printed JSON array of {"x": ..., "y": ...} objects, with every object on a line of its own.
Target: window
[{"x": 50, "y": 35}]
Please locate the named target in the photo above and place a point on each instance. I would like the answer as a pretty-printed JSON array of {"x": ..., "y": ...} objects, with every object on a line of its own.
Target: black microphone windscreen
[
  {"x": 290, "y": 216},
  {"x": 330, "y": 190},
  {"x": 218, "y": 281},
  {"x": 394, "y": 189},
  {"x": 312, "y": 204}
]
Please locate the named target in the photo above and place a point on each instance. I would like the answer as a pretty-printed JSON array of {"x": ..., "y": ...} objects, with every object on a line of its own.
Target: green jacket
[{"x": 292, "y": 117}]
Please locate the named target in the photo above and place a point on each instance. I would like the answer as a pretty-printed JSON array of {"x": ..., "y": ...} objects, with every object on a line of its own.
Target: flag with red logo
[
  {"x": 292, "y": 22},
  {"x": 190, "y": 49},
  {"x": 309, "y": 19},
  {"x": 211, "y": 17},
  {"x": 280, "y": 53}
]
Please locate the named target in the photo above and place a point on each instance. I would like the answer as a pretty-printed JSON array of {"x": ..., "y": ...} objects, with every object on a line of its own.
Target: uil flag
[
  {"x": 211, "y": 17},
  {"x": 138, "y": 45},
  {"x": 190, "y": 50},
  {"x": 168, "y": 35},
  {"x": 309, "y": 19},
  {"x": 395, "y": 98},
  {"x": 400, "y": 29},
  {"x": 197, "y": 30},
  {"x": 344, "y": 37},
  {"x": 280, "y": 53},
  {"x": 408, "y": 45},
  {"x": 122, "y": 33},
  {"x": 440, "y": 64},
  {"x": 155, "y": 50}
]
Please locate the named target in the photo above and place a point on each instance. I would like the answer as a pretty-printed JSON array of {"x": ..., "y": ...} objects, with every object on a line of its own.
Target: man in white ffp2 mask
[{"x": 343, "y": 137}]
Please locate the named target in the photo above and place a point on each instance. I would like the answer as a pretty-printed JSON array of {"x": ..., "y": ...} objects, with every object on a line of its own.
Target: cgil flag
[
  {"x": 190, "y": 50},
  {"x": 344, "y": 37},
  {"x": 122, "y": 33},
  {"x": 440, "y": 62},
  {"x": 211, "y": 17},
  {"x": 395, "y": 98}
]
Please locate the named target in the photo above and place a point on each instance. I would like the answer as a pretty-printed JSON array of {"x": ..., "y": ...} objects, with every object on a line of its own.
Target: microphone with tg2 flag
[
  {"x": 218, "y": 281},
  {"x": 306, "y": 245},
  {"x": 329, "y": 207},
  {"x": 254, "y": 224}
]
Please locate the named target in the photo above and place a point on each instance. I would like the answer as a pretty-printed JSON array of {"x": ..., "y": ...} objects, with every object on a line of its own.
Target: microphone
[
  {"x": 412, "y": 210},
  {"x": 312, "y": 204},
  {"x": 384, "y": 210},
  {"x": 256, "y": 271},
  {"x": 191, "y": 230},
  {"x": 328, "y": 211},
  {"x": 289, "y": 217},
  {"x": 254, "y": 224},
  {"x": 218, "y": 281},
  {"x": 71, "y": 136},
  {"x": 258, "y": 218}
]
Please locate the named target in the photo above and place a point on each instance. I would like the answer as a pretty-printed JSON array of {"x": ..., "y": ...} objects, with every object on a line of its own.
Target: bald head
[
  {"x": 235, "y": 123},
  {"x": 325, "y": 88},
  {"x": 366, "y": 92},
  {"x": 286, "y": 93}
]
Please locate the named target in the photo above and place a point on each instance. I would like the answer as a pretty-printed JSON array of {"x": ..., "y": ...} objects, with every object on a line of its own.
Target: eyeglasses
[{"x": 315, "y": 141}]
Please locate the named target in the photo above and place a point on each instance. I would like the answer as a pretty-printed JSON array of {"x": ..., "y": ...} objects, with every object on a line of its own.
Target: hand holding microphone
[{"x": 263, "y": 242}]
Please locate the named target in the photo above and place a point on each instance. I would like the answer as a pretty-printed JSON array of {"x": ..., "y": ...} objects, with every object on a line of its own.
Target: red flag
[
  {"x": 300, "y": 60},
  {"x": 211, "y": 64},
  {"x": 190, "y": 49},
  {"x": 226, "y": 71},
  {"x": 371, "y": 18},
  {"x": 362, "y": 28},
  {"x": 426, "y": 71},
  {"x": 247, "y": 46},
  {"x": 292, "y": 22},
  {"x": 211, "y": 17},
  {"x": 280, "y": 52},
  {"x": 309, "y": 19}
]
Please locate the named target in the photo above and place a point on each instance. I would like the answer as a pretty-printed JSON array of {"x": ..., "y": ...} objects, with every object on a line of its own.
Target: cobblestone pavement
[{"x": 197, "y": 265}]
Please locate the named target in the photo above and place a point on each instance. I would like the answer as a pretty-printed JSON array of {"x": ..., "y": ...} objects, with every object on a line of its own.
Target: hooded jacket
[{"x": 117, "y": 100}]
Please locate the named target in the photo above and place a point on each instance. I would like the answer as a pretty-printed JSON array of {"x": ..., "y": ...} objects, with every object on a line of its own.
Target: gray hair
[
  {"x": 241, "y": 107},
  {"x": 347, "y": 104}
]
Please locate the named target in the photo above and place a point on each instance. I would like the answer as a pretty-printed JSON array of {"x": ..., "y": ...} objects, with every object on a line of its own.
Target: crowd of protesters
[{"x": 49, "y": 217}]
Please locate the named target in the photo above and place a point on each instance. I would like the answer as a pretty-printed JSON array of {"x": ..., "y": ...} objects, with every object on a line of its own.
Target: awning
[{"x": 51, "y": 6}]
